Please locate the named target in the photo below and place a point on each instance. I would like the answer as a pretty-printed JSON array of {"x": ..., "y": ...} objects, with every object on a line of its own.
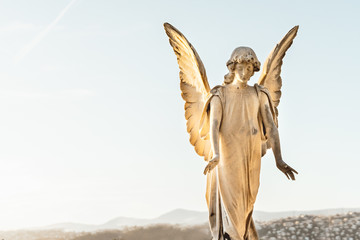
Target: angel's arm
[
  {"x": 215, "y": 120},
  {"x": 272, "y": 134}
]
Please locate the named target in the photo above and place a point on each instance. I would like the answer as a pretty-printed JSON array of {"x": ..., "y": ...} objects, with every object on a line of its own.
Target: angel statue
[{"x": 231, "y": 126}]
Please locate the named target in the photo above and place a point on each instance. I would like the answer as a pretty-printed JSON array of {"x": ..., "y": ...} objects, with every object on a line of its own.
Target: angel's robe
[{"x": 233, "y": 184}]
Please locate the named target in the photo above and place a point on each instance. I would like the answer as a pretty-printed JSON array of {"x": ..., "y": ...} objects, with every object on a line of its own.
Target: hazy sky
[{"x": 92, "y": 124}]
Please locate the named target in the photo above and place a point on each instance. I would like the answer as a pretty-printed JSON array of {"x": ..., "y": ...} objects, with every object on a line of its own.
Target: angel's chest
[{"x": 241, "y": 104}]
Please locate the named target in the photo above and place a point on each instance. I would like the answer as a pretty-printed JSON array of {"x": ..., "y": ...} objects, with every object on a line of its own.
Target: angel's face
[{"x": 243, "y": 71}]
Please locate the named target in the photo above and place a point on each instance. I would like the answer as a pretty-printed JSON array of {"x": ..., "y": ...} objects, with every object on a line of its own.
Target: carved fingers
[
  {"x": 211, "y": 165},
  {"x": 287, "y": 170}
]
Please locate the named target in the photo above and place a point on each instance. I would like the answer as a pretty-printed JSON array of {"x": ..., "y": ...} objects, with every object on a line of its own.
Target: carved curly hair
[{"x": 240, "y": 55}]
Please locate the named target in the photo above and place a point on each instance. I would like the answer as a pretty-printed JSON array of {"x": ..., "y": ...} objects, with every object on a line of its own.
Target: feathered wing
[
  {"x": 270, "y": 75},
  {"x": 194, "y": 87}
]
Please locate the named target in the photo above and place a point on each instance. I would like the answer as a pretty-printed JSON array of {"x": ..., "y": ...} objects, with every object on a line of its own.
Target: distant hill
[
  {"x": 330, "y": 227},
  {"x": 187, "y": 218},
  {"x": 269, "y": 216},
  {"x": 306, "y": 227}
]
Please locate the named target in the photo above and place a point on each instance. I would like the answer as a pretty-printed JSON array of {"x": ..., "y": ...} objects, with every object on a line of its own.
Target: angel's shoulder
[
  {"x": 263, "y": 93},
  {"x": 261, "y": 89},
  {"x": 217, "y": 90}
]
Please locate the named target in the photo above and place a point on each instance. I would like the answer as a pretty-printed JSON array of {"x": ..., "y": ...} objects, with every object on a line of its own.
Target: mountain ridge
[{"x": 186, "y": 218}]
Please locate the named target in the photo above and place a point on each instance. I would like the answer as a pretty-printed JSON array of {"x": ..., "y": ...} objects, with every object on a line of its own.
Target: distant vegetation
[
  {"x": 305, "y": 227},
  {"x": 156, "y": 232}
]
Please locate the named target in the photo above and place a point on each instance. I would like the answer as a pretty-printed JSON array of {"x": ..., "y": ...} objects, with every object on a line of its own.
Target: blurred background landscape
[{"x": 180, "y": 224}]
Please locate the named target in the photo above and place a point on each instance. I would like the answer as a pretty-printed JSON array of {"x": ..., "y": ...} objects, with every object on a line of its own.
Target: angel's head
[{"x": 242, "y": 65}]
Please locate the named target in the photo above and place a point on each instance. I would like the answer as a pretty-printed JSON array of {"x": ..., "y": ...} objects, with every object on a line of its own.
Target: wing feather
[
  {"x": 270, "y": 76},
  {"x": 194, "y": 87}
]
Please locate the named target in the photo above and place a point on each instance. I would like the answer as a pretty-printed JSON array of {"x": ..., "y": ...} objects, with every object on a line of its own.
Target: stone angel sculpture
[{"x": 231, "y": 126}]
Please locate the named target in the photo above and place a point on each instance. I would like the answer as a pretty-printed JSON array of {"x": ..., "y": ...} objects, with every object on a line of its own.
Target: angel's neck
[{"x": 240, "y": 84}]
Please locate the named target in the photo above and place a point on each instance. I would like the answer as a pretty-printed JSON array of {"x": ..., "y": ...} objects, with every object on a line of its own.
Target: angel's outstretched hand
[
  {"x": 212, "y": 164},
  {"x": 286, "y": 169}
]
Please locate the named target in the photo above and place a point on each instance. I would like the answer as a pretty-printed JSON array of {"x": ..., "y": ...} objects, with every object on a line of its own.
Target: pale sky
[{"x": 92, "y": 123}]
